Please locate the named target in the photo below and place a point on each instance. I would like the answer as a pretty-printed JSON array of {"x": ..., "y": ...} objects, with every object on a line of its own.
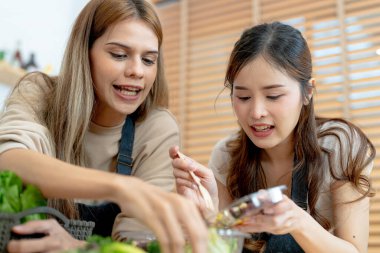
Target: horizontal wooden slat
[
  {"x": 294, "y": 9},
  {"x": 229, "y": 27},
  {"x": 360, "y": 5},
  {"x": 363, "y": 12}
]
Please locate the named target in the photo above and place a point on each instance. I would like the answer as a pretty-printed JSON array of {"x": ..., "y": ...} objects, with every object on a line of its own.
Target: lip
[
  {"x": 262, "y": 134},
  {"x": 139, "y": 89}
]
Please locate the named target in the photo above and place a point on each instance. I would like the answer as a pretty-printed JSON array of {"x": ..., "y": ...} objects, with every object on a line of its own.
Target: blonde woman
[{"x": 54, "y": 128}]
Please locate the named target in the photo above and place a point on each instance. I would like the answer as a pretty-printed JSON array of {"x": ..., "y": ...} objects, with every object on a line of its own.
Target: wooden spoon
[{"x": 204, "y": 193}]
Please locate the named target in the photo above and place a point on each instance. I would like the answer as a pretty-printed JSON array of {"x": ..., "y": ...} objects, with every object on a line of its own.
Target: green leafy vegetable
[
  {"x": 31, "y": 197},
  {"x": 10, "y": 189},
  {"x": 153, "y": 247},
  {"x": 119, "y": 247},
  {"x": 14, "y": 197},
  {"x": 99, "y": 240},
  {"x": 99, "y": 244}
]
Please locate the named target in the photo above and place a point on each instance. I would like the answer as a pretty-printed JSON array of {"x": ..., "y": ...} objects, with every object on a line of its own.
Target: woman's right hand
[
  {"x": 185, "y": 184},
  {"x": 172, "y": 218}
]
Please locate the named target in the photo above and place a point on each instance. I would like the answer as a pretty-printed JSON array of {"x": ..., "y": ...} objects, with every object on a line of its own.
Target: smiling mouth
[
  {"x": 127, "y": 91},
  {"x": 262, "y": 128}
]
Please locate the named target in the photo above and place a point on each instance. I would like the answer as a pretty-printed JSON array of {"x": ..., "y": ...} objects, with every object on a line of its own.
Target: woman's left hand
[
  {"x": 57, "y": 239},
  {"x": 281, "y": 218}
]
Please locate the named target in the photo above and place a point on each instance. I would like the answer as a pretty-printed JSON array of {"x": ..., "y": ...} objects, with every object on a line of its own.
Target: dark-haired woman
[{"x": 325, "y": 163}]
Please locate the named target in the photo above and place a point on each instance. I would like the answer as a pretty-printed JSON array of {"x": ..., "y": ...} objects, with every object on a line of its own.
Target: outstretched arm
[{"x": 170, "y": 215}]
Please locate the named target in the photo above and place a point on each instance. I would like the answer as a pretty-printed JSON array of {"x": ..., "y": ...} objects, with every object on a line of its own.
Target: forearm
[
  {"x": 57, "y": 179},
  {"x": 313, "y": 238}
]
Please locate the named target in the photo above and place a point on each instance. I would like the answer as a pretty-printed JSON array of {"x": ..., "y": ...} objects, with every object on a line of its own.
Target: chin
[{"x": 263, "y": 144}]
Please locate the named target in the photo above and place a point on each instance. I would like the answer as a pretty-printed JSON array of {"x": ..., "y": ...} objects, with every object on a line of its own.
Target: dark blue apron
[{"x": 104, "y": 214}]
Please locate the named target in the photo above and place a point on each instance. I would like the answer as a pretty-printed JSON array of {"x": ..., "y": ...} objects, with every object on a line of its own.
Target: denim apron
[
  {"x": 286, "y": 243},
  {"x": 104, "y": 214}
]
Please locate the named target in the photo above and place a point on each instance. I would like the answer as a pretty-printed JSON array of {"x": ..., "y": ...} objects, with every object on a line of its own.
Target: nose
[
  {"x": 258, "y": 109},
  {"x": 134, "y": 68}
]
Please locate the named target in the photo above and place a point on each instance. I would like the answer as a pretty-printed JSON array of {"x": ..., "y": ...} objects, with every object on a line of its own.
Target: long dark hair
[{"x": 285, "y": 48}]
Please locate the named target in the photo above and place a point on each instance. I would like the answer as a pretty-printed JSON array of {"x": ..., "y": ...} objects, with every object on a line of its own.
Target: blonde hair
[{"x": 70, "y": 103}]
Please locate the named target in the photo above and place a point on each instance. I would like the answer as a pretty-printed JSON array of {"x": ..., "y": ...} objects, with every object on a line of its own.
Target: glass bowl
[{"x": 220, "y": 240}]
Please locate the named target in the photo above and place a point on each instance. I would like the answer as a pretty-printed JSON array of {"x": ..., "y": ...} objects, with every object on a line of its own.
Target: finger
[
  {"x": 252, "y": 225},
  {"x": 187, "y": 164},
  {"x": 286, "y": 227},
  {"x": 154, "y": 222},
  {"x": 278, "y": 208},
  {"x": 173, "y": 229},
  {"x": 186, "y": 183},
  {"x": 44, "y": 244},
  {"x": 194, "y": 196},
  {"x": 201, "y": 171},
  {"x": 36, "y": 226},
  {"x": 173, "y": 152},
  {"x": 275, "y": 222},
  {"x": 195, "y": 227},
  {"x": 182, "y": 164},
  {"x": 178, "y": 173},
  {"x": 245, "y": 228}
]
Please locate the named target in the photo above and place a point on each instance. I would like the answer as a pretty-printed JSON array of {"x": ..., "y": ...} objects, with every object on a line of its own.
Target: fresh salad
[{"x": 98, "y": 244}]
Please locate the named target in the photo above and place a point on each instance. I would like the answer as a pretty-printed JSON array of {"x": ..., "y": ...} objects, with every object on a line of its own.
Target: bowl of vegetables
[{"x": 220, "y": 241}]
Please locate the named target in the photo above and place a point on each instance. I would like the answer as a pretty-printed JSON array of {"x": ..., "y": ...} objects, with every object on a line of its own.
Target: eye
[
  {"x": 148, "y": 62},
  {"x": 274, "y": 97},
  {"x": 243, "y": 98},
  {"x": 118, "y": 56}
]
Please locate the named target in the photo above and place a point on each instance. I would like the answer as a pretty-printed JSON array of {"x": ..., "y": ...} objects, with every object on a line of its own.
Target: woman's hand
[
  {"x": 57, "y": 239},
  {"x": 172, "y": 218},
  {"x": 185, "y": 184},
  {"x": 281, "y": 218}
]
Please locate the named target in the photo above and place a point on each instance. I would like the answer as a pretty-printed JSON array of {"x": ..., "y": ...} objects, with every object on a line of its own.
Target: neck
[
  {"x": 279, "y": 154},
  {"x": 277, "y": 164},
  {"x": 107, "y": 118}
]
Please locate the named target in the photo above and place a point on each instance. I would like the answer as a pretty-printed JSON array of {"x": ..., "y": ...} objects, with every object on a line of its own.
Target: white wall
[{"x": 42, "y": 27}]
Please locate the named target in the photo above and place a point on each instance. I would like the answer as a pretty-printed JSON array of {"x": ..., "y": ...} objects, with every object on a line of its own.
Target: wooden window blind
[{"x": 343, "y": 36}]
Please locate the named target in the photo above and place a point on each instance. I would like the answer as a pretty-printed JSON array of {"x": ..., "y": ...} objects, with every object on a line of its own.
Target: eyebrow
[
  {"x": 128, "y": 47},
  {"x": 273, "y": 86}
]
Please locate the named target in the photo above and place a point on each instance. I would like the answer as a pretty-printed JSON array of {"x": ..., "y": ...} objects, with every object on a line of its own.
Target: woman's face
[
  {"x": 123, "y": 67},
  {"x": 267, "y": 103}
]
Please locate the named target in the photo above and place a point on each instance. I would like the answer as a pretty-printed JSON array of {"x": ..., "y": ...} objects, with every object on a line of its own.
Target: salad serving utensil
[{"x": 203, "y": 191}]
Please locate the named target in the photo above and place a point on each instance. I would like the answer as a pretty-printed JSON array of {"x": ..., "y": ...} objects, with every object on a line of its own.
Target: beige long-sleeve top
[{"x": 22, "y": 126}]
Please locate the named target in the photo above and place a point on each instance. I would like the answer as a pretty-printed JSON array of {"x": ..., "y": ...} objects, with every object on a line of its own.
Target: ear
[{"x": 309, "y": 91}]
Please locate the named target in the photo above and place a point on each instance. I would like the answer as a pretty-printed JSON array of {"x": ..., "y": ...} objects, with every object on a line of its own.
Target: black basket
[{"x": 77, "y": 228}]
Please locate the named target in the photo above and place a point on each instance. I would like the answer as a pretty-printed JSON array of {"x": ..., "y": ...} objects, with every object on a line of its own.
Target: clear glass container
[
  {"x": 220, "y": 240},
  {"x": 248, "y": 205}
]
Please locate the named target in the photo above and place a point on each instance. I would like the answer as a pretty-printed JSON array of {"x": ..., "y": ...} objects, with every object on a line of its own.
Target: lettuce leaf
[{"x": 15, "y": 197}]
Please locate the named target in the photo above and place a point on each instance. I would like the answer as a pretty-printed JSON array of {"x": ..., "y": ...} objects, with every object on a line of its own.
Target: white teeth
[
  {"x": 262, "y": 128},
  {"x": 130, "y": 89},
  {"x": 128, "y": 93}
]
